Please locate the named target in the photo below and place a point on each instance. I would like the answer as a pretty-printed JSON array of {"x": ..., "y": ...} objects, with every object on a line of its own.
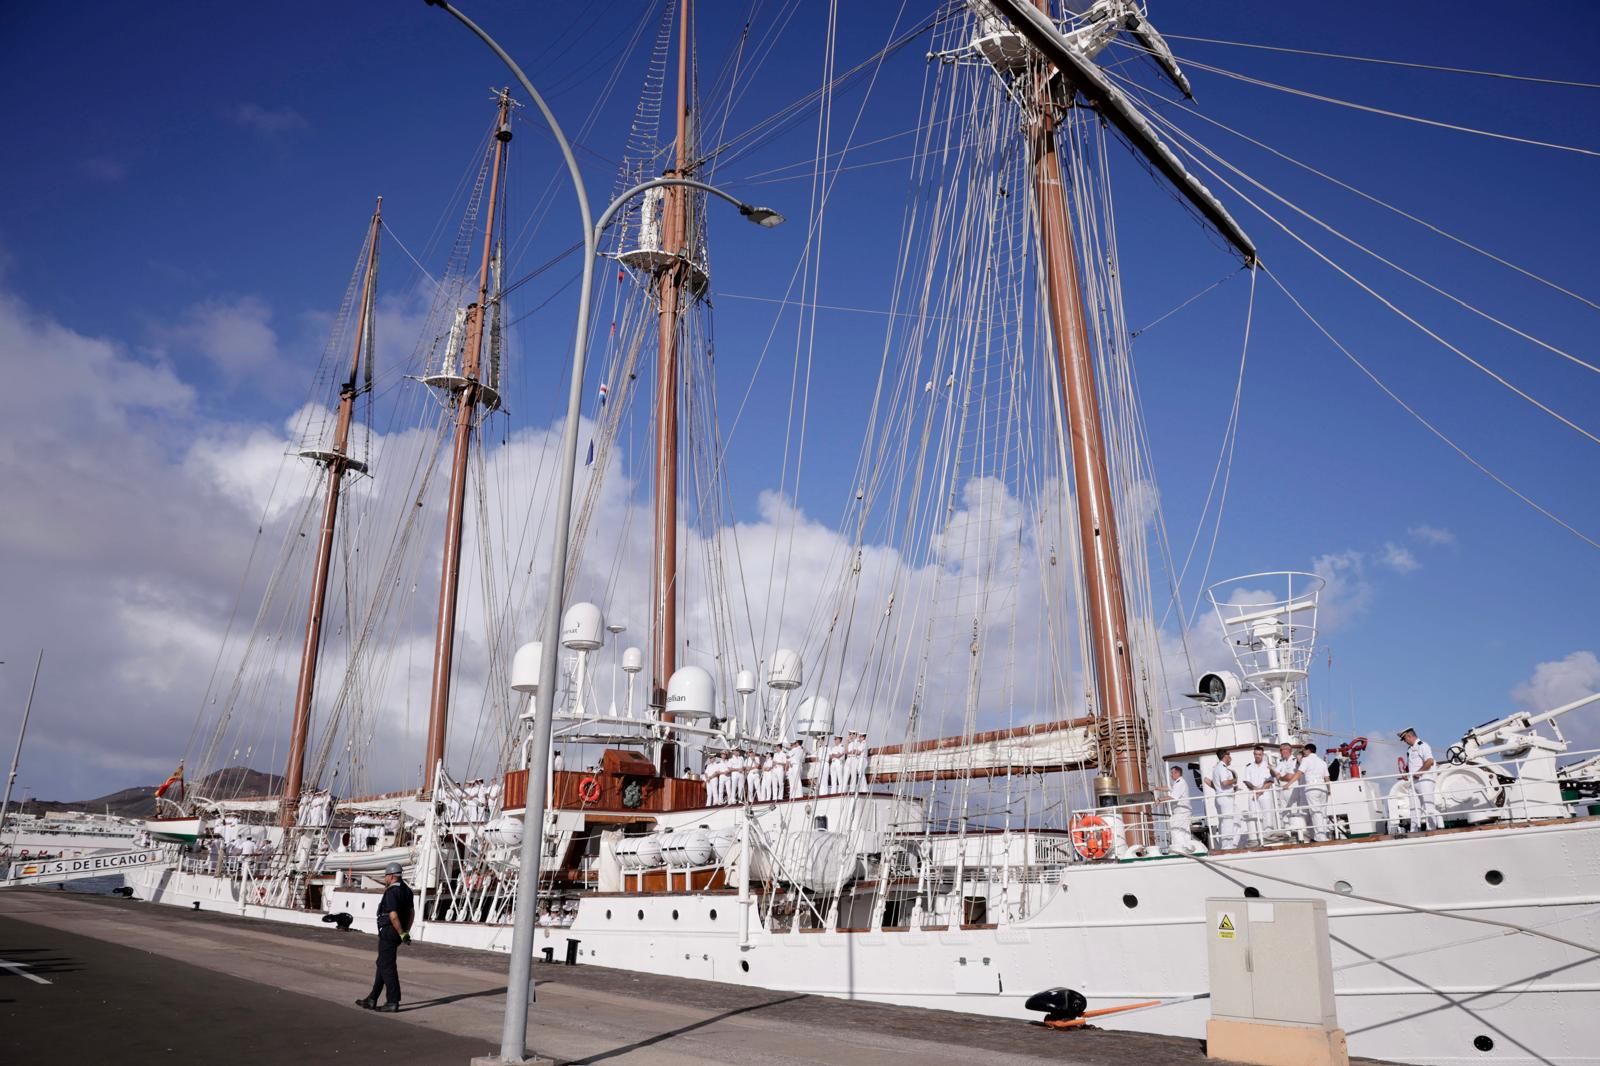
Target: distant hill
[{"x": 140, "y": 802}]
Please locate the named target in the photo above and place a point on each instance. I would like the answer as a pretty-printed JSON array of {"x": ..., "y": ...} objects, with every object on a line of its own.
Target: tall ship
[{"x": 973, "y": 761}]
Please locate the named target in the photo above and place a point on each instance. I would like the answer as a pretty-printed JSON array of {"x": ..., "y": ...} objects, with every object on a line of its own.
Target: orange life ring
[
  {"x": 588, "y": 790},
  {"x": 1091, "y": 836}
]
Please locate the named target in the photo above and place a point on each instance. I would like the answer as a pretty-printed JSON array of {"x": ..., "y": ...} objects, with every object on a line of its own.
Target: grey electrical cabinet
[{"x": 1270, "y": 961}]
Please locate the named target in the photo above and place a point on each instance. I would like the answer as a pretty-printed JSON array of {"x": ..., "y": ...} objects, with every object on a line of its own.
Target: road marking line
[{"x": 21, "y": 970}]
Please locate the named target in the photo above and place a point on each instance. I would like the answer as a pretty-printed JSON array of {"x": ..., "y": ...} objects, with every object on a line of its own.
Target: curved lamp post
[{"x": 513, "y": 1036}]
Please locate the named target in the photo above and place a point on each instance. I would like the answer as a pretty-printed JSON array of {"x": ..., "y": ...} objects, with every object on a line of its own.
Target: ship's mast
[
  {"x": 1067, "y": 68},
  {"x": 469, "y": 393},
  {"x": 1123, "y": 739},
  {"x": 677, "y": 241},
  {"x": 336, "y": 462}
]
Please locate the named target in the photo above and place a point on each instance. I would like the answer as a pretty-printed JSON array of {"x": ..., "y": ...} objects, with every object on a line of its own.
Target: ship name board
[{"x": 89, "y": 865}]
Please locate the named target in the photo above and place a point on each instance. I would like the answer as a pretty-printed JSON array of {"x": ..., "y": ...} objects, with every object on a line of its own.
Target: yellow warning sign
[{"x": 1225, "y": 927}]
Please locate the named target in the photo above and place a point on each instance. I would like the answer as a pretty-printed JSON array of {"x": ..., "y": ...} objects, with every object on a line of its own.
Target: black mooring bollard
[{"x": 572, "y": 951}]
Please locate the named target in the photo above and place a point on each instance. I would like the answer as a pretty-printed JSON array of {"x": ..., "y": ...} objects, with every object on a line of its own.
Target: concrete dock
[{"x": 152, "y": 984}]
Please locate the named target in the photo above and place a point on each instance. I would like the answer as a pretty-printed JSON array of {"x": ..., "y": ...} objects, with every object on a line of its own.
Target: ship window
[
  {"x": 674, "y": 915},
  {"x": 1252, "y": 892},
  {"x": 744, "y": 964},
  {"x": 713, "y": 914},
  {"x": 1483, "y": 1043},
  {"x": 1494, "y": 877},
  {"x": 641, "y": 916},
  {"x": 1130, "y": 901},
  {"x": 608, "y": 914},
  {"x": 1343, "y": 888}
]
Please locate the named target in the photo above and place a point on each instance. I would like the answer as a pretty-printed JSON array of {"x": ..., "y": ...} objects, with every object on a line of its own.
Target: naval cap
[{"x": 1403, "y": 732}]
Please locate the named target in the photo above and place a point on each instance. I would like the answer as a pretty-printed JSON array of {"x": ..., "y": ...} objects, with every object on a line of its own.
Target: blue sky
[{"x": 189, "y": 186}]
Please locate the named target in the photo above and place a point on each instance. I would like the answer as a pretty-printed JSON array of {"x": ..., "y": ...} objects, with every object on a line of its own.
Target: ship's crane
[{"x": 1472, "y": 786}]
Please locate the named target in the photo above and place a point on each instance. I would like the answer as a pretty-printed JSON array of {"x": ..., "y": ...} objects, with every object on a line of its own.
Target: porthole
[
  {"x": 608, "y": 914},
  {"x": 1483, "y": 1042},
  {"x": 713, "y": 914},
  {"x": 744, "y": 964},
  {"x": 1252, "y": 892},
  {"x": 1343, "y": 888},
  {"x": 1494, "y": 877},
  {"x": 674, "y": 915},
  {"x": 641, "y": 916},
  {"x": 1130, "y": 901}
]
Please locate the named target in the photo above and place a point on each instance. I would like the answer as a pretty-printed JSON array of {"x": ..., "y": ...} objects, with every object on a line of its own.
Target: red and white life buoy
[
  {"x": 1092, "y": 836},
  {"x": 589, "y": 790}
]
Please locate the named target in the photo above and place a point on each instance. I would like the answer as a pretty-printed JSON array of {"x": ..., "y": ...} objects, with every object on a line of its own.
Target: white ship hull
[{"x": 1412, "y": 987}]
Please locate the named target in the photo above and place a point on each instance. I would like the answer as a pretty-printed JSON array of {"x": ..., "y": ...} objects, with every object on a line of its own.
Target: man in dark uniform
[{"x": 394, "y": 923}]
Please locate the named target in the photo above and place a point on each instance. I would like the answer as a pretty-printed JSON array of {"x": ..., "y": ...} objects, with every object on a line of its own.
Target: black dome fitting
[{"x": 1059, "y": 1004}]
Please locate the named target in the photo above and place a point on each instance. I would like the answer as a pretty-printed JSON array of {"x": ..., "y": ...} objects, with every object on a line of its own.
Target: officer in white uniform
[
  {"x": 780, "y": 770},
  {"x": 1314, "y": 783},
  {"x": 851, "y": 749},
  {"x": 1419, "y": 768},
  {"x": 835, "y": 766},
  {"x": 796, "y": 768},
  {"x": 1257, "y": 779},
  {"x": 735, "y": 786},
  {"x": 713, "y": 776},
  {"x": 1179, "y": 813},
  {"x": 1291, "y": 798},
  {"x": 752, "y": 778},
  {"x": 770, "y": 777},
  {"x": 1225, "y": 783}
]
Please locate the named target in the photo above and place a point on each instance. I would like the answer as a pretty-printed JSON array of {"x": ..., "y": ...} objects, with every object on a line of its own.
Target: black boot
[
  {"x": 370, "y": 1003},
  {"x": 388, "y": 1008}
]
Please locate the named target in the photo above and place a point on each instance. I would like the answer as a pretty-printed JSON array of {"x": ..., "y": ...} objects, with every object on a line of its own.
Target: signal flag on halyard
[
  {"x": 603, "y": 395},
  {"x": 175, "y": 779},
  {"x": 590, "y": 460}
]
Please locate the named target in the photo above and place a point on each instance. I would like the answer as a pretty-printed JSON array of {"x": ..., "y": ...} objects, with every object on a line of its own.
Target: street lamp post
[
  {"x": 514, "y": 1033},
  {"x": 22, "y": 732}
]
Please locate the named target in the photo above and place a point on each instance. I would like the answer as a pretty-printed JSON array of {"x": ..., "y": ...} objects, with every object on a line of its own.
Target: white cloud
[
  {"x": 1398, "y": 558},
  {"x": 1559, "y": 682},
  {"x": 235, "y": 336},
  {"x": 1348, "y": 592},
  {"x": 270, "y": 121},
  {"x": 1432, "y": 535}
]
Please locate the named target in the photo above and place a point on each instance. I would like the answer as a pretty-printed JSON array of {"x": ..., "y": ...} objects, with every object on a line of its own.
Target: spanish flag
[{"x": 175, "y": 779}]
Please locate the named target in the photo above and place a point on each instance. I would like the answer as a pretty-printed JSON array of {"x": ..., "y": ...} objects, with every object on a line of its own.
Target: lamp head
[{"x": 761, "y": 216}]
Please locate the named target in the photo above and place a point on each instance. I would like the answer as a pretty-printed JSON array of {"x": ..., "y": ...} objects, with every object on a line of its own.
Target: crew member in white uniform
[
  {"x": 835, "y": 766},
  {"x": 855, "y": 760},
  {"x": 735, "y": 786},
  {"x": 752, "y": 778},
  {"x": 780, "y": 770},
  {"x": 1291, "y": 798},
  {"x": 797, "y": 768},
  {"x": 1314, "y": 783},
  {"x": 1257, "y": 778},
  {"x": 713, "y": 776},
  {"x": 1419, "y": 768},
  {"x": 1224, "y": 783},
  {"x": 1179, "y": 813},
  {"x": 770, "y": 776}
]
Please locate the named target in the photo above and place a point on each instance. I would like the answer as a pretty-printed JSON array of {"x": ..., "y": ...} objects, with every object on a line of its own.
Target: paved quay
[{"x": 151, "y": 984}]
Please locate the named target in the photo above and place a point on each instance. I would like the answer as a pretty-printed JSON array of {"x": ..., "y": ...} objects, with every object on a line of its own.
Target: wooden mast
[
  {"x": 677, "y": 241},
  {"x": 1123, "y": 737},
  {"x": 468, "y": 391},
  {"x": 336, "y": 461}
]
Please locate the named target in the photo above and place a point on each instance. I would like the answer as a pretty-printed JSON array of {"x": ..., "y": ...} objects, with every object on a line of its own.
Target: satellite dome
[{"x": 583, "y": 628}]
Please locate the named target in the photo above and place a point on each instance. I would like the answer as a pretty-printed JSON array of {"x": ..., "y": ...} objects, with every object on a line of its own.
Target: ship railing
[{"x": 1465, "y": 792}]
